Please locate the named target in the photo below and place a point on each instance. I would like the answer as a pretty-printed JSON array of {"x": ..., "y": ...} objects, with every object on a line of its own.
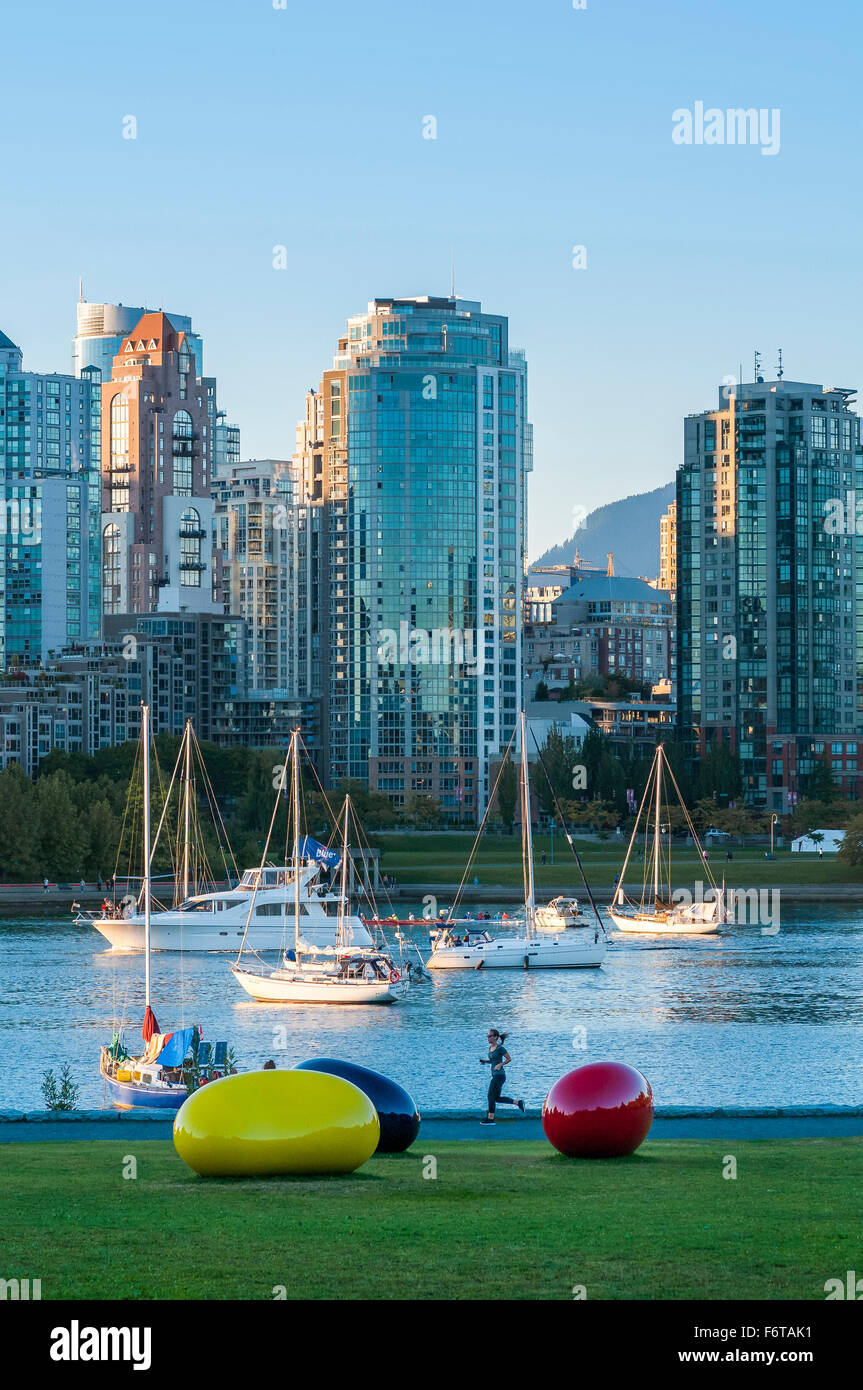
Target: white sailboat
[
  {"x": 478, "y": 949},
  {"x": 218, "y": 919},
  {"x": 160, "y": 1077},
  {"x": 347, "y": 972},
  {"x": 657, "y": 911}
]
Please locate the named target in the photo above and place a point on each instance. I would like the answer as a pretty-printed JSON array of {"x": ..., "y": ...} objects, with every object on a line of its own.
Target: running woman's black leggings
[{"x": 494, "y": 1092}]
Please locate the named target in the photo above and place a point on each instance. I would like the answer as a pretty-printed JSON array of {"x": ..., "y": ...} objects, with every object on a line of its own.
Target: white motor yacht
[{"x": 216, "y": 921}]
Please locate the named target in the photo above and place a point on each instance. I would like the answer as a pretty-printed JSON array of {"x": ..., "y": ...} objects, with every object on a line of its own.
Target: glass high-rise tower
[
  {"x": 101, "y": 329},
  {"x": 417, "y": 448},
  {"x": 49, "y": 509},
  {"x": 770, "y": 625}
]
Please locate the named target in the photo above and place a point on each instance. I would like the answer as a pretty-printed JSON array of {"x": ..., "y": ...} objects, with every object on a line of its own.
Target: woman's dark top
[{"x": 495, "y": 1055}]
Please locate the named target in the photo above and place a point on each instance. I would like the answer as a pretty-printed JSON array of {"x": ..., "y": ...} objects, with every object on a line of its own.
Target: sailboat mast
[
  {"x": 656, "y": 827},
  {"x": 145, "y": 739},
  {"x": 187, "y": 811},
  {"x": 295, "y": 785},
  {"x": 343, "y": 897},
  {"x": 529, "y": 905}
]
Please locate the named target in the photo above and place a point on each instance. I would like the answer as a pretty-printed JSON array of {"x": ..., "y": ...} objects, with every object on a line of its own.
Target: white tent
[{"x": 828, "y": 843}]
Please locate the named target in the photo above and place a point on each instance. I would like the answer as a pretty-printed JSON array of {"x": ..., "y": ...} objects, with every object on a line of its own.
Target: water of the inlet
[{"x": 743, "y": 1018}]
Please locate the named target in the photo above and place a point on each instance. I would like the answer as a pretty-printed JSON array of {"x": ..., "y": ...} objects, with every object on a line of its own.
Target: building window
[
  {"x": 183, "y": 437},
  {"x": 191, "y": 535},
  {"x": 112, "y": 561},
  {"x": 119, "y": 477}
]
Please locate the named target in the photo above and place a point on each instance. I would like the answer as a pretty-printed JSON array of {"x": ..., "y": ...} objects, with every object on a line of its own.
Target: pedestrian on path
[{"x": 497, "y": 1059}]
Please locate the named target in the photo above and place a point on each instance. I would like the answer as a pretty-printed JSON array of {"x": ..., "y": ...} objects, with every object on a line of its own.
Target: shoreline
[
  {"x": 670, "y": 1122},
  {"x": 61, "y": 900},
  {"x": 500, "y": 893}
]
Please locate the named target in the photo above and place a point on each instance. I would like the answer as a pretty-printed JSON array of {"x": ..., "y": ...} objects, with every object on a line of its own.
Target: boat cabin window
[
  {"x": 285, "y": 909},
  {"x": 267, "y": 878}
]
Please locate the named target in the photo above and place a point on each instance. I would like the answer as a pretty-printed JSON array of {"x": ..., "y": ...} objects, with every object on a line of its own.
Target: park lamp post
[{"x": 773, "y": 819}]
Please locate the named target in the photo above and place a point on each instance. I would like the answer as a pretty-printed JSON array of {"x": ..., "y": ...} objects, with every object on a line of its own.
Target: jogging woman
[{"x": 497, "y": 1059}]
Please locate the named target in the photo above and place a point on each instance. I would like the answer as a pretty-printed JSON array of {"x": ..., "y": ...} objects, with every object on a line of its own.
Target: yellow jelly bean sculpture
[{"x": 268, "y": 1122}]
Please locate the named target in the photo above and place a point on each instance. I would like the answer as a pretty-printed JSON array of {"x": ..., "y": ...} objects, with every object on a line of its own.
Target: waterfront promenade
[{"x": 672, "y": 1122}]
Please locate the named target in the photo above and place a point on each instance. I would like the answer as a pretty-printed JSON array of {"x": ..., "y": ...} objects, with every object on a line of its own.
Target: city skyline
[{"x": 526, "y": 164}]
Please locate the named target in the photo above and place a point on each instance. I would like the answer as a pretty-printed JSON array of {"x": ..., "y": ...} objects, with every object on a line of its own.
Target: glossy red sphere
[{"x": 603, "y": 1110}]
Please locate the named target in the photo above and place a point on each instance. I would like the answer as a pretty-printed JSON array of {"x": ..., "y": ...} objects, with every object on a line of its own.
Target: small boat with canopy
[{"x": 171, "y": 1064}]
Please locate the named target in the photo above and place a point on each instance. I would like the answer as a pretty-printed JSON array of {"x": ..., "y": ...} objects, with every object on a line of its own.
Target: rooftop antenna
[
  {"x": 780, "y": 370},
  {"x": 757, "y": 365},
  {"x": 452, "y": 272},
  {"x": 80, "y": 289}
]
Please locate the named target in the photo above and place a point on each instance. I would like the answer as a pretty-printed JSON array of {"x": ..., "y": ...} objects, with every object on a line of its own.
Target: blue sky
[{"x": 302, "y": 127}]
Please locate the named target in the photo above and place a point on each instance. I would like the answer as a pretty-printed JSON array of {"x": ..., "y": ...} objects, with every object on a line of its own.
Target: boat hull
[
  {"x": 273, "y": 989},
  {"x": 520, "y": 953},
  {"x": 126, "y": 1095},
  {"x": 559, "y": 924},
  {"x": 653, "y": 926},
  {"x": 174, "y": 934}
]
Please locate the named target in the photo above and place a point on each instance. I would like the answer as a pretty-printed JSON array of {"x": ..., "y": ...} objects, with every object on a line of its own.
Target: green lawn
[
  {"x": 441, "y": 858},
  {"x": 502, "y": 1220}
]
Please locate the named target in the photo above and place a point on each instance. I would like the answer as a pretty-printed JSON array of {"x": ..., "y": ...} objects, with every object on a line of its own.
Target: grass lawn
[
  {"x": 503, "y": 1220},
  {"x": 441, "y": 858}
]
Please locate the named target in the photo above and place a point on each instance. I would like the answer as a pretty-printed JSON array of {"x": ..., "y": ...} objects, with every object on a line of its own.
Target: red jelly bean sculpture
[{"x": 603, "y": 1110}]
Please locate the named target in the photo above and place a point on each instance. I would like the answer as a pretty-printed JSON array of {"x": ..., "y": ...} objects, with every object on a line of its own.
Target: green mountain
[{"x": 628, "y": 528}]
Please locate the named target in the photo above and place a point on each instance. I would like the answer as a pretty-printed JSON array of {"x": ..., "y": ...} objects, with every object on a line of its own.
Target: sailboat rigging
[
  {"x": 351, "y": 970},
  {"x": 206, "y": 917},
  {"x": 660, "y": 908},
  {"x": 478, "y": 949},
  {"x": 163, "y": 1075}
]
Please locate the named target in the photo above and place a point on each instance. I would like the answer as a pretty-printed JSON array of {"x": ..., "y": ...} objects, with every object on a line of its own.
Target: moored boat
[
  {"x": 661, "y": 910},
  {"x": 347, "y": 972},
  {"x": 172, "y": 1064},
  {"x": 205, "y": 917},
  {"x": 559, "y": 914},
  {"x": 479, "y": 949}
]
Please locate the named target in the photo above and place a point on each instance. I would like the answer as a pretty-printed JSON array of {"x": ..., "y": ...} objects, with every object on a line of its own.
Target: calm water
[{"x": 740, "y": 1019}]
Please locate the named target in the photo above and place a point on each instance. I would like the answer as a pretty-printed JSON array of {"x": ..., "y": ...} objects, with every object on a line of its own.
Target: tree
[
  {"x": 422, "y": 811},
  {"x": 102, "y": 829},
  {"x": 255, "y": 807},
  {"x": 63, "y": 841},
  {"x": 602, "y": 815},
  {"x": 19, "y": 827},
  {"x": 851, "y": 848},
  {"x": 819, "y": 815},
  {"x": 719, "y": 773},
  {"x": 605, "y": 778},
  {"x": 507, "y": 794},
  {"x": 822, "y": 784},
  {"x": 560, "y": 757}
]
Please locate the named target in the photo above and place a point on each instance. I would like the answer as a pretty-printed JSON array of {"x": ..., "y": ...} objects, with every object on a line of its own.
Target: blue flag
[{"x": 313, "y": 849}]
